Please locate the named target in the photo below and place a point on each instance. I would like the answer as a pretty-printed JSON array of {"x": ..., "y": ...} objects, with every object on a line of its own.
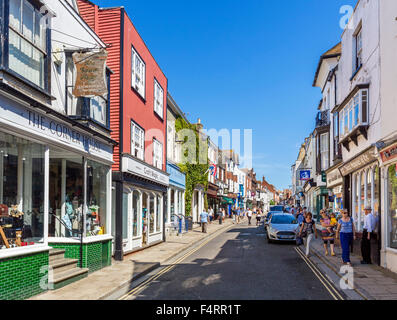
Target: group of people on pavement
[
  {"x": 238, "y": 215},
  {"x": 336, "y": 227}
]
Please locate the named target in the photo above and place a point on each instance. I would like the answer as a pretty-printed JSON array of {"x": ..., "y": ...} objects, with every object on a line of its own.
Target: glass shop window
[
  {"x": 136, "y": 199},
  {"x": 97, "y": 186},
  {"x": 66, "y": 193},
  {"x": 21, "y": 192},
  {"x": 392, "y": 212},
  {"x": 151, "y": 214},
  {"x": 158, "y": 213}
]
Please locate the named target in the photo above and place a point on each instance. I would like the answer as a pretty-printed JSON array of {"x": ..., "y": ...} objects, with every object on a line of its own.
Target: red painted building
[{"x": 138, "y": 123}]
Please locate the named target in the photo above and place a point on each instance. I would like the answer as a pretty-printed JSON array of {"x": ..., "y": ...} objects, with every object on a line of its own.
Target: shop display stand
[{"x": 3, "y": 237}]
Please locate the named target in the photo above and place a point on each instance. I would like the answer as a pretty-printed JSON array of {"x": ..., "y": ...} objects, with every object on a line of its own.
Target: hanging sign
[
  {"x": 91, "y": 74},
  {"x": 304, "y": 175}
]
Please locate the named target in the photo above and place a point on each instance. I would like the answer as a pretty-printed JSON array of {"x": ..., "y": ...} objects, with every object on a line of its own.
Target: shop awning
[{"x": 227, "y": 200}]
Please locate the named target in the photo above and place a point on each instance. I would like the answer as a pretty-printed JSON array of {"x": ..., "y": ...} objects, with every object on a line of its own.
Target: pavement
[
  {"x": 369, "y": 282},
  {"x": 103, "y": 283}
]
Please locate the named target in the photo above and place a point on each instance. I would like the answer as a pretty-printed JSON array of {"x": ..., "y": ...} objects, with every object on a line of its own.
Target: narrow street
[{"x": 238, "y": 264}]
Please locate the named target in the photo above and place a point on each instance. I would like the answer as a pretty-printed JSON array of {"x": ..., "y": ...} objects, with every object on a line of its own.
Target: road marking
[
  {"x": 146, "y": 283},
  {"x": 326, "y": 283}
]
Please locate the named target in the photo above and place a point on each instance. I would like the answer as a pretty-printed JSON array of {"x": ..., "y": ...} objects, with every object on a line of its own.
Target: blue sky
[{"x": 244, "y": 65}]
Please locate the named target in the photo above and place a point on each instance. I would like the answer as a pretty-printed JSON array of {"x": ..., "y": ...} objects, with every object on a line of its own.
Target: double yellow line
[
  {"x": 326, "y": 283},
  {"x": 147, "y": 282}
]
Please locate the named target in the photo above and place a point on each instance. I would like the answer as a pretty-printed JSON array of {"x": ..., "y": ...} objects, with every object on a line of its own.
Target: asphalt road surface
[{"x": 239, "y": 264}]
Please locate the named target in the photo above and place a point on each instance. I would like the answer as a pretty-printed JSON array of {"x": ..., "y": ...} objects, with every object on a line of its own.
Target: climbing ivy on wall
[{"x": 195, "y": 165}]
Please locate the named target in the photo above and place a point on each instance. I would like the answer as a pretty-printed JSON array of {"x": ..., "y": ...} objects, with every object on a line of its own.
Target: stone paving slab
[
  {"x": 104, "y": 282},
  {"x": 373, "y": 282}
]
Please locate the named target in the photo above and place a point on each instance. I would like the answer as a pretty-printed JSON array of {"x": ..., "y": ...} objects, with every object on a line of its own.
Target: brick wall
[
  {"x": 20, "y": 276},
  {"x": 95, "y": 255}
]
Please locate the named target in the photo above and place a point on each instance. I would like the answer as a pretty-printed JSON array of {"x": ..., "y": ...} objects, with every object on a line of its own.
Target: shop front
[
  {"x": 142, "y": 191},
  {"x": 335, "y": 186},
  {"x": 175, "y": 196},
  {"x": 212, "y": 196},
  {"x": 55, "y": 192},
  {"x": 361, "y": 186},
  {"x": 389, "y": 207}
]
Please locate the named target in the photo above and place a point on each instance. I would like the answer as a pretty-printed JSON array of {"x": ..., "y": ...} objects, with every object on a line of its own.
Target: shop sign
[
  {"x": 35, "y": 123},
  {"x": 334, "y": 178},
  {"x": 91, "y": 74},
  {"x": 389, "y": 154},
  {"x": 144, "y": 171},
  {"x": 358, "y": 162},
  {"x": 304, "y": 175},
  {"x": 177, "y": 178}
]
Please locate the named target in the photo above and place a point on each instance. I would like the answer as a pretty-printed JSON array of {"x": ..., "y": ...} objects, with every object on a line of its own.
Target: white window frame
[
  {"x": 158, "y": 99},
  {"x": 157, "y": 156},
  {"x": 138, "y": 73},
  {"x": 350, "y": 106},
  {"x": 324, "y": 151},
  {"x": 358, "y": 43},
  {"x": 141, "y": 144}
]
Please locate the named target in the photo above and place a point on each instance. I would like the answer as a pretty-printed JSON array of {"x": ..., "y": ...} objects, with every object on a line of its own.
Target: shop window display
[
  {"x": 21, "y": 192},
  {"x": 144, "y": 218},
  {"x": 158, "y": 213},
  {"x": 362, "y": 200},
  {"x": 151, "y": 214},
  {"x": 125, "y": 215},
  {"x": 96, "y": 198},
  {"x": 135, "y": 209},
  {"x": 66, "y": 194},
  {"x": 392, "y": 214}
]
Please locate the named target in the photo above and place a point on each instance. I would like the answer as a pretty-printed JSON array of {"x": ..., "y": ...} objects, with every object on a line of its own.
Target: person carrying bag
[{"x": 307, "y": 231}]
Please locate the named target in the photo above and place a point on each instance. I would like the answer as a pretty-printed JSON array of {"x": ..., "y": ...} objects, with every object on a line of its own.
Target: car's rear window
[{"x": 284, "y": 220}]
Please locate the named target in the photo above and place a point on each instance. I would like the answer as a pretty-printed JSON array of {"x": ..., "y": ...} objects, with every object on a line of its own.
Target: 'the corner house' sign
[
  {"x": 91, "y": 75},
  {"x": 51, "y": 129}
]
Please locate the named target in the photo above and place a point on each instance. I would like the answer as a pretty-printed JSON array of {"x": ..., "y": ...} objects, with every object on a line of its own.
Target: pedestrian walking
[
  {"x": 300, "y": 217},
  {"x": 307, "y": 231},
  {"x": 249, "y": 216},
  {"x": 221, "y": 215},
  {"x": 292, "y": 210},
  {"x": 211, "y": 214},
  {"x": 369, "y": 226},
  {"x": 328, "y": 237},
  {"x": 238, "y": 216},
  {"x": 204, "y": 221},
  {"x": 346, "y": 233},
  {"x": 258, "y": 218}
]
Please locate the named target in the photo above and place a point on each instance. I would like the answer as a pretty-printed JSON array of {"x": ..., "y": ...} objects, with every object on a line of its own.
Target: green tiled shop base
[
  {"x": 96, "y": 255},
  {"x": 20, "y": 276}
]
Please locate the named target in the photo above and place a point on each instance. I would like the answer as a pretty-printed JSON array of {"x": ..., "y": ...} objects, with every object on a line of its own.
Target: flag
[{"x": 213, "y": 169}]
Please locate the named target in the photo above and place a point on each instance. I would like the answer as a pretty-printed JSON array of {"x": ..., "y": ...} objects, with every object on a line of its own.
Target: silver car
[{"x": 282, "y": 227}]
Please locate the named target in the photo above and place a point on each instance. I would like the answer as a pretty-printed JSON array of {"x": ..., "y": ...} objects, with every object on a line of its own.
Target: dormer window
[{"x": 27, "y": 42}]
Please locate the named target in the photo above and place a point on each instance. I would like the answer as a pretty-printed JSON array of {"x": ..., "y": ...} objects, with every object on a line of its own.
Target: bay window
[
  {"x": 158, "y": 99},
  {"x": 137, "y": 141},
  {"x": 354, "y": 114},
  {"x": 27, "y": 42},
  {"x": 138, "y": 73}
]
